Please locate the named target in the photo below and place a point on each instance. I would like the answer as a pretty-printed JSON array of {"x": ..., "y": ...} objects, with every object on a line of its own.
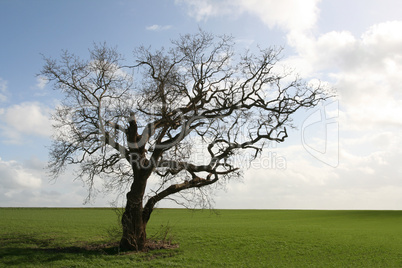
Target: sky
[{"x": 343, "y": 154}]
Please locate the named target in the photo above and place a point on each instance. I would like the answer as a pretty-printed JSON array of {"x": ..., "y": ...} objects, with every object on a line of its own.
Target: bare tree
[{"x": 198, "y": 98}]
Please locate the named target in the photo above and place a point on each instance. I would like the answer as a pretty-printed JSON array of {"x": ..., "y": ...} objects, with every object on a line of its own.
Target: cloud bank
[
  {"x": 290, "y": 15},
  {"x": 20, "y": 121},
  {"x": 365, "y": 72}
]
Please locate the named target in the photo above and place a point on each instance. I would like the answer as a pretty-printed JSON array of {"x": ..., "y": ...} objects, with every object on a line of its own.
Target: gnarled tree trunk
[
  {"x": 134, "y": 228},
  {"x": 133, "y": 222}
]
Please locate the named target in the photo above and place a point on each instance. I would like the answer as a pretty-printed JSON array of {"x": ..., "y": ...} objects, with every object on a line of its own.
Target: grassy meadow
[{"x": 58, "y": 237}]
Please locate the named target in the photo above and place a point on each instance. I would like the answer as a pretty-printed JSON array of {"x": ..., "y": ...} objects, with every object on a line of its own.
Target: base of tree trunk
[
  {"x": 149, "y": 245},
  {"x": 132, "y": 244}
]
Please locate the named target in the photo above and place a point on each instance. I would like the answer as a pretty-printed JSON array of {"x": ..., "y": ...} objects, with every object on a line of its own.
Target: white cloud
[
  {"x": 3, "y": 90},
  {"x": 369, "y": 181},
  {"x": 204, "y": 9},
  {"x": 25, "y": 119},
  {"x": 290, "y": 15},
  {"x": 26, "y": 185},
  {"x": 364, "y": 70},
  {"x": 41, "y": 82},
  {"x": 386, "y": 35},
  {"x": 377, "y": 49},
  {"x": 14, "y": 176},
  {"x": 157, "y": 27}
]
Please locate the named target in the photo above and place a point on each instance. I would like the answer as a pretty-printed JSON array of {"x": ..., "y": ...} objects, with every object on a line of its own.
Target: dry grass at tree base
[{"x": 112, "y": 248}]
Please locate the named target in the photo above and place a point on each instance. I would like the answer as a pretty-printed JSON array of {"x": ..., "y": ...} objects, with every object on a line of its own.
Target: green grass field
[{"x": 35, "y": 237}]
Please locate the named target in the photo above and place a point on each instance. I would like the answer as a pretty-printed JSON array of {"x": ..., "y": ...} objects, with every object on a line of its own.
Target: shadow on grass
[{"x": 31, "y": 250}]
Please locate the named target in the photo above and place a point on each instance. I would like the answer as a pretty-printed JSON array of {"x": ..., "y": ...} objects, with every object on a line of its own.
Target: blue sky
[{"x": 355, "y": 46}]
